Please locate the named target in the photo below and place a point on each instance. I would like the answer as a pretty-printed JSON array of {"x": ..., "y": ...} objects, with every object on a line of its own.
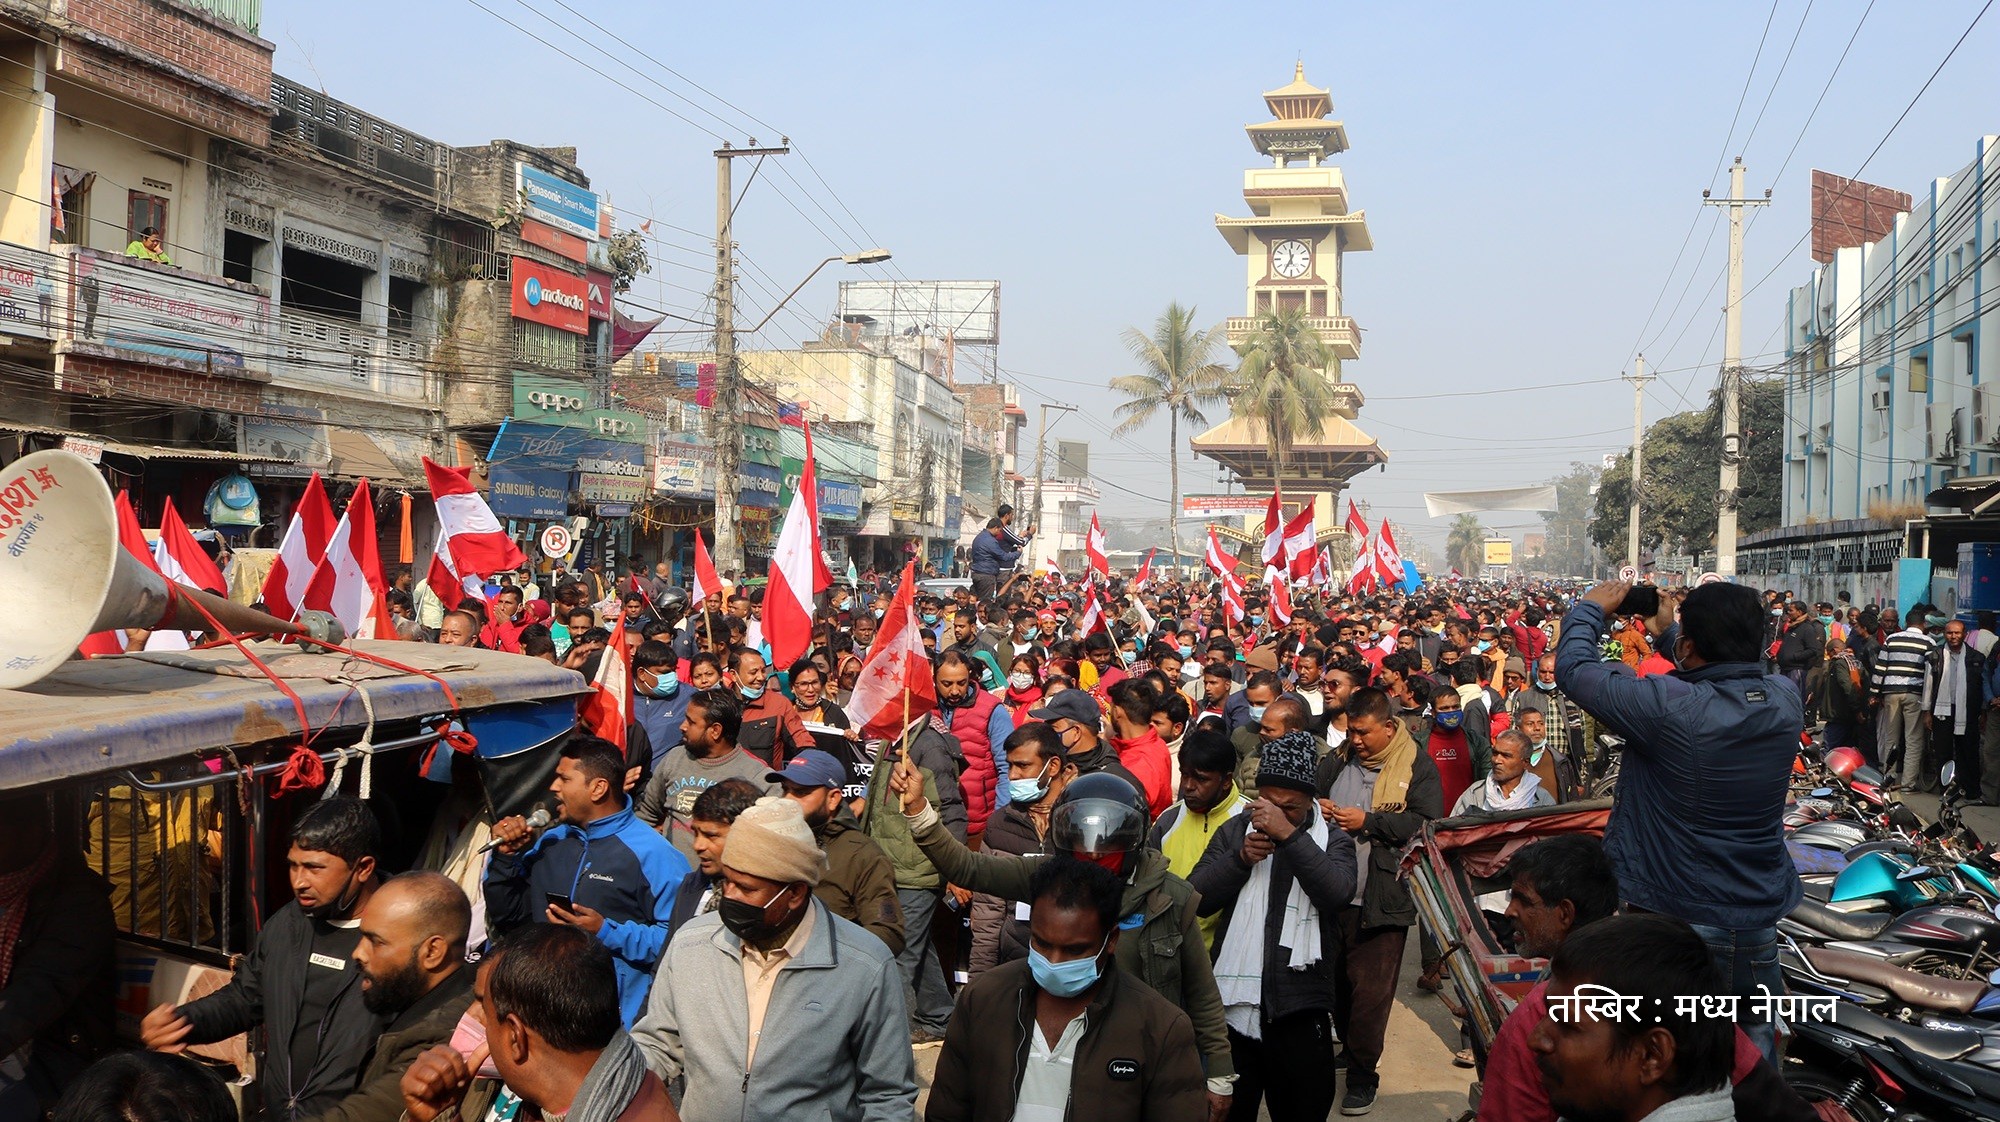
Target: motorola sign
[{"x": 549, "y": 296}]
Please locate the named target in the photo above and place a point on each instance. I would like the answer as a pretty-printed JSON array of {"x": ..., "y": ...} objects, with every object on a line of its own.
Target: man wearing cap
[
  {"x": 1079, "y": 723},
  {"x": 1279, "y": 875},
  {"x": 826, "y": 1042},
  {"x": 860, "y": 884}
]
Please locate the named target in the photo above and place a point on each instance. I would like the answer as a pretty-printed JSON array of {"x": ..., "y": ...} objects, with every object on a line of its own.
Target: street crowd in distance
[{"x": 1122, "y": 851}]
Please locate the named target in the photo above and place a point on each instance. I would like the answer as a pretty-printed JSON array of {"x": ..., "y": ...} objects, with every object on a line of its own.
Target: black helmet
[
  {"x": 672, "y": 603},
  {"x": 1098, "y": 813}
]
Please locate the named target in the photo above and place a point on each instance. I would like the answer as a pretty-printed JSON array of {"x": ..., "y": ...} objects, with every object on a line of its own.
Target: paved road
[{"x": 1418, "y": 1082}]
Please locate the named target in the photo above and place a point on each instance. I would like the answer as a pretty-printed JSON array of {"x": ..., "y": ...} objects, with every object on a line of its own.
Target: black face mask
[{"x": 750, "y": 922}]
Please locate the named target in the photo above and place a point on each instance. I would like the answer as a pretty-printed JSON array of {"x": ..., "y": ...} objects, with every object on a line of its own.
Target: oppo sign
[{"x": 549, "y": 296}]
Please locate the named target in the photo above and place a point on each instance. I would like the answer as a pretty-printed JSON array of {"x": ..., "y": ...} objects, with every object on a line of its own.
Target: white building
[
  {"x": 1890, "y": 393},
  {"x": 1062, "y": 524}
]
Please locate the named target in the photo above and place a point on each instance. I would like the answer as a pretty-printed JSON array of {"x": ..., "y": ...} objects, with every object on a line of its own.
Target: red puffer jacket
[{"x": 980, "y": 780}]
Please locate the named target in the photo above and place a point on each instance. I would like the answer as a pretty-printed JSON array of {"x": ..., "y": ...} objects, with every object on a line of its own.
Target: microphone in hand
[{"x": 512, "y": 835}]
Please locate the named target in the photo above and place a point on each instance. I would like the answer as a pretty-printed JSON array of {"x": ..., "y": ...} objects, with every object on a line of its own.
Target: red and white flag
[
  {"x": 1388, "y": 560},
  {"x": 798, "y": 572},
  {"x": 470, "y": 545},
  {"x": 1093, "y": 610},
  {"x": 1218, "y": 561},
  {"x": 1093, "y": 544},
  {"x": 1232, "y": 598},
  {"x": 300, "y": 552},
  {"x": 133, "y": 540},
  {"x": 706, "y": 583},
  {"x": 1145, "y": 569},
  {"x": 1323, "y": 571},
  {"x": 1274, "y": 532},
  {"x": 1281, "y": 605},
  {"x": 1356, "y": 525},
  {"x": 181, "y": 558},
  {"x": 895, "y": 686},
  {"x": 348, "y": 582},
  {"x": 1362, "y": 579},
  {"x": 607, "y": 710},
  {"x": 1300, "y": 550}
]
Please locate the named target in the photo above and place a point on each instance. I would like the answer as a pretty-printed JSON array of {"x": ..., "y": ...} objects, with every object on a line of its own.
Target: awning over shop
[
  {"x": 357, "y": 455},
  {"x": 145, "y": 451}
]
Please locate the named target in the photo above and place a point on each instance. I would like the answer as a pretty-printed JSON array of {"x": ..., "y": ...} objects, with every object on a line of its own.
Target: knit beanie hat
[
  {"x": 771, "y": 840},
  {"x": 1289, "y": 761}
]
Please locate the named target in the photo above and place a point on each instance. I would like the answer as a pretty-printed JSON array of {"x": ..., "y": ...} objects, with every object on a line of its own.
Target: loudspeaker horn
[{"x": 64, "y": 575}]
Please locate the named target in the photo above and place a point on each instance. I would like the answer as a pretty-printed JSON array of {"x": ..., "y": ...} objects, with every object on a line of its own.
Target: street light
[
  {"x": 865, "y": 257},
  {"x": 726, "y": 410}
]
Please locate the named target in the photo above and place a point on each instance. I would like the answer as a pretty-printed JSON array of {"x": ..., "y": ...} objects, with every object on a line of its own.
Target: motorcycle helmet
[
  {"x": 1100, "y": 818},
  {"x": 1843, "y": 761},
  {"x": 672, "y": 603}
]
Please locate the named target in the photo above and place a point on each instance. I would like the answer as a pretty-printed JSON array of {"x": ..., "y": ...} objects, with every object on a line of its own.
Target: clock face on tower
[{"x": 1291, "y": 259}]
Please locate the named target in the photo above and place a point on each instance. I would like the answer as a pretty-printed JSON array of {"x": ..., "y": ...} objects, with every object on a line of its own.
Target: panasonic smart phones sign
[{"x": 558, "y": 202}]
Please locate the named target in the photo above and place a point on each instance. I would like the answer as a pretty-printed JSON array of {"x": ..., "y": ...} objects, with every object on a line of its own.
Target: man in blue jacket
[
  {"x": 995, "y": 552},
  {"x": 598, "y": 868},
  {"x": 1697, "y": 831}
]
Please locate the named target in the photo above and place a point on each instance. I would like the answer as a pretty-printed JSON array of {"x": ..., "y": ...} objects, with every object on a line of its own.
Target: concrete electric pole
[
  {"x": 1041, "y": 440},
  {"x": 1638, "y": 378},
  {"x": 1732, "y": 373},
  {"x": 727, "y": 411}
]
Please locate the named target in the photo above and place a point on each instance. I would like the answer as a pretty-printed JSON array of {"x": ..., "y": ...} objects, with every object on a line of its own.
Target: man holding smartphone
[{"x": 598, "y": 868}]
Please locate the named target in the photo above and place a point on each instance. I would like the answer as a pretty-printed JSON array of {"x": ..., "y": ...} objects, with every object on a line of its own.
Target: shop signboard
[
  {"x": 761, "y": 484},
  {"x": 164, "y": 317},
  {"x": 295, "y": 433},
  {"x": 679, "y": 475},
  {"x": 597, "y": 297},
  {"x": 548, "y": 296},
  {"x": 518, "y": 492},
  {"x": 838, "y": 499},
  {"x": 559, "y": 401},
  {"x": 533, "y": 467},
  {"x": 557, "y": 201},
  {"x": 1203, "y": 506},
  {"x": 27, "y": 291},
  {"x": 953, "y": 506},
  {"x": 559, "y": 242}
]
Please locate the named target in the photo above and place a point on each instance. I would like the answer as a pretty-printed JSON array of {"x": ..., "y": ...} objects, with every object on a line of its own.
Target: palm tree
[
  {"x": 1465, "y": 546},
  {"x": 1281, "y": 382},
  {"x": 1181, "y": 377}
]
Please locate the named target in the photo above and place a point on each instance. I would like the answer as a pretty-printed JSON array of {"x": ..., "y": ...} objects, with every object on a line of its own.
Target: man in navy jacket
[
  {"x": 995, "y": 552},
  {"x": 1697, "y": 831},
  {"x": 598, "y": 868}
]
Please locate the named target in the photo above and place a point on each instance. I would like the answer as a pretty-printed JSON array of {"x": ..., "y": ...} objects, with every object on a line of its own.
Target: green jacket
[
  {"x": 1167, "y": 952},
  {"x": 860, "y": 884},
  {"x": 939, "y": 757}
]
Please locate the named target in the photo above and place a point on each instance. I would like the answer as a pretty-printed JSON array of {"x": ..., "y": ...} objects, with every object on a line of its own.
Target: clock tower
[{"x": 1293, "y": 245}]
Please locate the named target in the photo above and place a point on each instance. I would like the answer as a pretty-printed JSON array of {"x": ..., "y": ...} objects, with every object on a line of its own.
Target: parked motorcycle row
[{"x": 1901, "y": 922}]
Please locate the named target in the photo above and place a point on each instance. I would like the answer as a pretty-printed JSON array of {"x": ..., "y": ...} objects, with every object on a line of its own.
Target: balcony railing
[
  {"x": 246, "y": 14},
  {"x": 118, "y": 307},
  {"x": 342, "y": 356},
  {"x": 1337, "y": 332}
]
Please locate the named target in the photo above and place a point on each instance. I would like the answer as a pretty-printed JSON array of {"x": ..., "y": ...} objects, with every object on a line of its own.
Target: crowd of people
[{"x": 1142, "y": 859}]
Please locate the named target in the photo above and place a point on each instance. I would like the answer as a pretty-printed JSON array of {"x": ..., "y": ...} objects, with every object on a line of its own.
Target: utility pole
[
  {"x": 727, "y": 410},
  {"x": 1638, "y": 378},
  {"x": 1041, "y": 440},
  {"x": 1732, "y": 373}
]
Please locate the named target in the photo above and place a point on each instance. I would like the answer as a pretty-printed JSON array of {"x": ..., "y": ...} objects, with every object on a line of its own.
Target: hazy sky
[{"x": 1529, "y": 173}]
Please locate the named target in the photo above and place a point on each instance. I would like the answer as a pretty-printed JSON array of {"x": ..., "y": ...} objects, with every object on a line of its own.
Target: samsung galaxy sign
[{"x": 549, "y": 296}]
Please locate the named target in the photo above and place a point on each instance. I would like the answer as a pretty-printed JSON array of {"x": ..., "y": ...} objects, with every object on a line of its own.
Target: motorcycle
[{"x": 1878, "y": 1068}]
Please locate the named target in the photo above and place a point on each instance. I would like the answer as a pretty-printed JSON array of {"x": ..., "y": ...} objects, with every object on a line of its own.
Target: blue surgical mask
[
  {"x": 1186, "y": 652},
  {"x": 1066, "y": 979},
  {"x": 1127, "y": 657},
  {"x": 1256, "y": 621},
  {"x": 930, "y": 619},
  {"x": 1545, "y": 685},
  {"x": 878, "y": 613},
  {"x": 1030, "y": 634},
  {"x": 666, "y": 685},
  {"x": 1451, "y": 718},
  {"x": 1256, "y": 713},
  {"x": 750, "y": 694},
  {"x": 1828, "y": 620},
  {"x": 1481, "y": 647}
]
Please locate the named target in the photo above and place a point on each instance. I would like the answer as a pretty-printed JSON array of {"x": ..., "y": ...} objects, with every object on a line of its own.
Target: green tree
[
  {"x": 1465, "y": 545},
  {"x": 1180, "y": 378},
  {"x": 1683, "y": 457},
  {"x": 1281, "y": 382}
]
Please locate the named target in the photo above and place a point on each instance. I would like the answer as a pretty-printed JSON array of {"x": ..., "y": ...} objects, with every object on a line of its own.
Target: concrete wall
[
  {"x": 133, "y": 150},
  {"x": 26, "y": 141}
]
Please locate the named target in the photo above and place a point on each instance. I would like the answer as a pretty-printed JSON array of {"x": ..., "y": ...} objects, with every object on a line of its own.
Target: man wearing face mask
[
  {"x": 1280, "y": 876},
  {"x": 300, "y": 982},
  {"x": 659, "y": 701},
  {"x": 1102, "y": 818},
  {"x": 826, "y": 1041},
  {"x": 1067, "y": 1033},
  {"x": 1561, "y": 718},
  {"x": 1036, "y": 776},
  {"x": 772, "y": 729},
  {"x": 860, "y": 884}
]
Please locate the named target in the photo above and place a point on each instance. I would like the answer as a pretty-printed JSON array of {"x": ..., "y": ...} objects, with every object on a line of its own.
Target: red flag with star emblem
[{"x": 895, "y": 685}]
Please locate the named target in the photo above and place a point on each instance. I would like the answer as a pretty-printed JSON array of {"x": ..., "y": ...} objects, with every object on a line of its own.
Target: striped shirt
[{"x": 1903, "y": 662}]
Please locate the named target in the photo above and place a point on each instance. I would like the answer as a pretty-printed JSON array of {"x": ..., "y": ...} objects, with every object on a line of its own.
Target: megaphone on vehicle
[{"x": 64, "y": 575}]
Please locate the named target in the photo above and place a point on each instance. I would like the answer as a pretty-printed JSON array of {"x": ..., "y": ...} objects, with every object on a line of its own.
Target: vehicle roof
[{"x": 100, "y": 714}]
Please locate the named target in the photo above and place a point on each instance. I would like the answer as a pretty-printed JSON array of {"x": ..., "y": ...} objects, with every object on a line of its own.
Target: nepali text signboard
[
  {"x": 161, "y": 316},
  {"x": 27, "y": 291},
  {"x": 548, "y": 296},
  {"x": 1205, "y": 506},
  {"x": 1499, "y": 551},
  {"x": 557, "y": 201},
  {"x": 681, "y": 476}
]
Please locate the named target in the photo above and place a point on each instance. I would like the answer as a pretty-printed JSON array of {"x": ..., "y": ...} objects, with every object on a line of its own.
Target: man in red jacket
[{"x": 1138, "y": 744}]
